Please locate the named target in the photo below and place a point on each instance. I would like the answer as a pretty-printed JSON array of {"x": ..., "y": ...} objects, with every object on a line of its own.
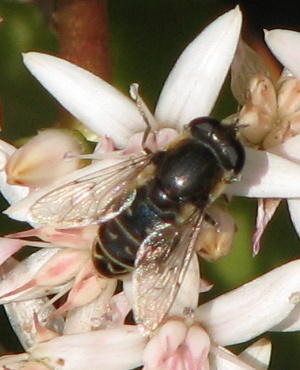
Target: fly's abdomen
[{"x": 119, "y": 238}]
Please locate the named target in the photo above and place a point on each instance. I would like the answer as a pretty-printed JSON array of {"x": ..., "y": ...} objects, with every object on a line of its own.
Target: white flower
[
  {"x": 285, "y": 45},
  {"x": 190, "y": 91},
  {"x": 268, "y": 303},
  {"x": 270, "y": 114}
]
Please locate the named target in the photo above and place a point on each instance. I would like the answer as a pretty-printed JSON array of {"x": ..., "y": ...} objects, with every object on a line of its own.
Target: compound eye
[
  {"x": 209, "y": 129},
  {"x": 222, "y": 141}
]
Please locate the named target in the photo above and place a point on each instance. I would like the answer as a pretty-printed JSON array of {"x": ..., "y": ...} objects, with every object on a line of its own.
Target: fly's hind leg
[{"x": 148, "y": 118}]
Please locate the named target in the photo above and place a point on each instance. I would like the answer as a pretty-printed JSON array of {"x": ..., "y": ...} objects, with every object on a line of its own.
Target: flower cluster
[{"x": 91, "y": 325}]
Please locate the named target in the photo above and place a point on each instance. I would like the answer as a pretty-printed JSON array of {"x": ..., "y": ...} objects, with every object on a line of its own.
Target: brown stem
[{"x": 82, "y": 30}]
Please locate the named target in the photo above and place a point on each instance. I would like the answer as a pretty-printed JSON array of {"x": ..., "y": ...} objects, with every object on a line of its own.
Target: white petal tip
[{"x": 285, "y": 45}]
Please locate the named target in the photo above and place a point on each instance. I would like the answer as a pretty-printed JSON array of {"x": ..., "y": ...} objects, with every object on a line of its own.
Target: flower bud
[
  {"x": 257, "y": 124},
  {"x": 289, "y": 96},
  {"x": 262, "y": 94},
  {"x": 294, "y": 121},
  {"x": 45, "y": 158},
  {"x": 259, "y": 113},
  {"x": 277, "y": 135}
]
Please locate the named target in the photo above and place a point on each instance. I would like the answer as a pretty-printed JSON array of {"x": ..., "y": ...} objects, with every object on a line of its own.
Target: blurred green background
[{"x": 146, "y": 39}]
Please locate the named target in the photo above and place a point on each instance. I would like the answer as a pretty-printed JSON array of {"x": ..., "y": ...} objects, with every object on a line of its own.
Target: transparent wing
[
  {"x": 91, "y": 199},
  {"x": 161, "y": 264}
]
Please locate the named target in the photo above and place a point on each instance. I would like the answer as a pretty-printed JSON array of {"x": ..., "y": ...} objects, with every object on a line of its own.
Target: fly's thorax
[{"x": 188, "y": 172}]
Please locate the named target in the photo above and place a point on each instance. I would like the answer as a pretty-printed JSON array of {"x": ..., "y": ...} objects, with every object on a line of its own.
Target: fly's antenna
[
  {"x": 148, "y": 118},
  {"x": 234, "y": 121}
]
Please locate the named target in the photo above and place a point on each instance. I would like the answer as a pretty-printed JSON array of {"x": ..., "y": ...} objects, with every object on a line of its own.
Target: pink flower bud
[{"x": 47, "y": 157}]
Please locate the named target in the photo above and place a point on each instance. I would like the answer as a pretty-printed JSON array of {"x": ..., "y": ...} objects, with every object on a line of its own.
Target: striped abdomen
[{"x": 119, "y": 238}]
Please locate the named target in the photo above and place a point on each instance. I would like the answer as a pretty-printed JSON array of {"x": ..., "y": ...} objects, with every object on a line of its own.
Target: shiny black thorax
[{"x": 193, "y": 171}]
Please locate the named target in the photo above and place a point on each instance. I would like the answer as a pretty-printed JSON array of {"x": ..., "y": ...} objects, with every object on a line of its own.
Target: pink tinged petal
[
  {"x": 101, "y": 107},
  {"x": 8, "y": 247},
  {"x": 254, "y": 308},
  {"x": 265, "y": 211},
  {"x": 36, "y": 164},
  {"x": 285, "y": 45},
  {"x": 77, "y": 238},
  {"x": 266, "y": 175},
  {"x": 194, "y": 83},
  {"x": 198, "y": 344},
  {"x": 162, "y": 139},
  {"x": 119, "y": 308},
  {"x": 94, "y": 315},
  {"x": 294, "y": 208},
  {"x": 16, "y": 284},
  {"x": 12, "y": 193},
  {"x": 110, "y": 349},
  {"x": 62, "y": 267},
  {"x": 258, "y": 355},
  {"x": 86, "y": 287},
  {"x": 175, "y": 347},
  {"x": 164, "y": 344}
]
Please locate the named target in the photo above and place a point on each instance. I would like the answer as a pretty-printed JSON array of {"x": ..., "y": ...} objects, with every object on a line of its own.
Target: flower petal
[
  {"x": 36, "y": 164},
  {"x": 20, "y": 315},
  {"x": 265, "y": 211},
  {"x": 110, "y": 349},
  {"x": 254, "y": 308},
  {"x": 195, "y": 81},
  {"x": 188, "y": 294},
  {"x": 8, "y": 247},
  {"x": 23, "y": 273},
  {"x": 101, "y": 107},
  {"x": 289, "y": 149},
  {"x": 292, "y": 321},
  {"x": 92, "y": 315},
  {"x": 12, "y": 193},
  {"x": 266, "y": 175},
  {"x": 222, "y": 359},
  {"x": 258, "y": 355},
  {"x": 177, "y": 346},
  {"x": 285, "y": 45}
]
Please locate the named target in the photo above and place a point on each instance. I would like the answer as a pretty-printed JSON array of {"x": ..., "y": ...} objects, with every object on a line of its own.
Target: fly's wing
[
  {"x": 161, "y": 264},
  {"x": 90, "y": 199}
]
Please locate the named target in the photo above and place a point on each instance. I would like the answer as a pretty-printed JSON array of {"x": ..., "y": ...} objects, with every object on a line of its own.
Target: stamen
[
  {"x": 55, "y": 298},
  {"x": 31, "y": 243},
  {"x": 70, "y": 156}
]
